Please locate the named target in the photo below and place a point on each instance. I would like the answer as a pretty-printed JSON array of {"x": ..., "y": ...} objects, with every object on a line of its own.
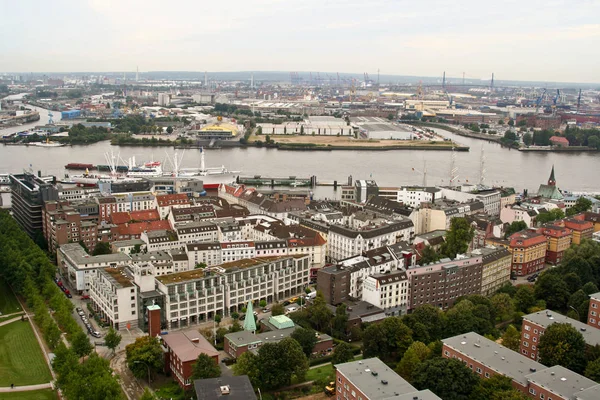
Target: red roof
[
  {"x": 559, "y": 139},
  {"x": 139, "y": 227},
  {"x": 138, "y": 216},
  {"x": 166, "y": 200},
  {"x": 526, "y": 239}
]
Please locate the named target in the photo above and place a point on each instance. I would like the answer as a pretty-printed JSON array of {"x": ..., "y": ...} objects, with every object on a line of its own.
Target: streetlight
[
  {"x": 574, "y": 309},
  {"x": 147, "y": 366}
]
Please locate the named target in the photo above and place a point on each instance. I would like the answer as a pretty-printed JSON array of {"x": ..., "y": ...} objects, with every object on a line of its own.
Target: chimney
[
  {"x": 225, "y": 390},
  {"x": 154, "y": 320}
]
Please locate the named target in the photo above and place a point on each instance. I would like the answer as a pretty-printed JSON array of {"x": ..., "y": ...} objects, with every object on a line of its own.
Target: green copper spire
[
  {"x": 552, "y": 180},
  {"x": 249, "y": 323}
]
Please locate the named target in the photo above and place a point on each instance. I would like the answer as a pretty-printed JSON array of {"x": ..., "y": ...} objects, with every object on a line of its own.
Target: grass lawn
[
  {"x": 45, "y": 394},
  {"x": 8, "y": 301},
  {"x": 320, "y": 373},
  {"x": 21, "y": 359}
]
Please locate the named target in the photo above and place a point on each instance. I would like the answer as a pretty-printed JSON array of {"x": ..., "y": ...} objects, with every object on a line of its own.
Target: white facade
[
  {"x": 414, "y": 196},
  {"x": 388, "y": 292},
  {"x": 508, "y": 215},
  {"x": 114, "y": 296},
  {"x": 194, "y": 232},
  {"x": 135, "y": 201},
  {"x": 490, "y": 199}
]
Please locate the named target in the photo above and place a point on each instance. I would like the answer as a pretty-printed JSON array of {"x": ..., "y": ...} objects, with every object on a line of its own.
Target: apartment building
[
  {"x": 164, "y": 203},
  {"x": 414, "y": 196},
  {"x": 437, "y": 216},
  {"x": 127, "y": 246},
  {"x": 514, "y": 213},
  {"x": 181, "y": 350},
  {"x": 114, "y": 297},
  {"x": 63, "y": 224},
  {"x": 258, "y": 203},
  {"x": 496, "y": 267},
  {"x": 161, "y": 240},
  {"x": 29, "y": 193},
  {"x": 160, "y": 262},
  {"x": 559, "y": 383},
  {"x": 528, "y": 249},
  {"x": 490, "y": 198},
  {"x": 76, "y": 266},
  {"x": 372, "y": 379},
  {"x": 581, "y": 229},
  {"x": 594, "y": 311},
  {"x": 558, "y": 239},
  {"x": 122, "y": 202},
  {"x": 387, "y": 291},
  {"x": 194, "y": 232},
  {"x": 198, "y": 295},
  {"x": 535, "y": 324},
  {"x": 441, "y": 283},
  {"x": 204, "y": 212},
  {"x": 346, "y": 241}
]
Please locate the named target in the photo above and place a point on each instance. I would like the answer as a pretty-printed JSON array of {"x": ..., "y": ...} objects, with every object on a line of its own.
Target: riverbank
[
  {"x": 555, "y": 149},
  {"x": 459, "y": 131}
]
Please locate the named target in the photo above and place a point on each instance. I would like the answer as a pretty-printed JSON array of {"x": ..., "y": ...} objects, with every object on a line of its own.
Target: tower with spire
[
  {"x": 552, "y": 180},
  {"x": 249, "y": 323}
]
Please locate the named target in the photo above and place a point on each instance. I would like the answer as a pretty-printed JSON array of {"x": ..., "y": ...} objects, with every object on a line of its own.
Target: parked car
[
  {"x": 266, "y": 310},
  {"x": 85, "y": 297},
  {"x": 96, "y": 334}
]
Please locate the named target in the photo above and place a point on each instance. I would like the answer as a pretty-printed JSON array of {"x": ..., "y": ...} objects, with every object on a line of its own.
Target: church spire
[
  {"x": 249, "y": 323},
  {"x": 552, "y": 180}
]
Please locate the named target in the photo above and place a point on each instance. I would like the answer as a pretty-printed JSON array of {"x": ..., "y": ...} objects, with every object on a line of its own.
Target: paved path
[
  {"x": 10, "y": 321},
  {"x": 26, "y": 388}
]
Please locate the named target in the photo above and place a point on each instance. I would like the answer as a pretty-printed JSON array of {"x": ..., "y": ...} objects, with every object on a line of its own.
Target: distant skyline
[{"x": 551, "y": 41}]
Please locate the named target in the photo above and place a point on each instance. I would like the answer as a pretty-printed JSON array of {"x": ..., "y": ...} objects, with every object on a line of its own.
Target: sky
[{"x": 551, "y": 40}]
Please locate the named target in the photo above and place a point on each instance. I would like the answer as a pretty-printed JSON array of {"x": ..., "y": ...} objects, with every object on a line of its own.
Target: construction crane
[
  {"x": 554, "y": 101},
  {"x": 538, "y": 102}
]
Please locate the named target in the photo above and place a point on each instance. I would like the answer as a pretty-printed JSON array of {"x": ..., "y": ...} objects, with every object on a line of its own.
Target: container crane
[{"x": 538, "y": 102}]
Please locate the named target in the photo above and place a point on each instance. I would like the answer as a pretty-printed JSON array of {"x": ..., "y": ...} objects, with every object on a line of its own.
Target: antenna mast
[
  {"x": 453, "y": 168},
  {"x": 424, "y": 173},
  {"x": 482, "y": 167}
]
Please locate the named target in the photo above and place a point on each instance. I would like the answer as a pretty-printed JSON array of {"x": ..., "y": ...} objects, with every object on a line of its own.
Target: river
[{"x": 504, "y": 167}]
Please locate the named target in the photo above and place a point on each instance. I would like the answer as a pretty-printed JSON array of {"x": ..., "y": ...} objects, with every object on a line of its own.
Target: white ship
[
  {"x": 48, "y": 143},
  {"x": 152, "y": 169},
  {"x": 210, "y": 176},
  {"x": 88, "y": 179}
]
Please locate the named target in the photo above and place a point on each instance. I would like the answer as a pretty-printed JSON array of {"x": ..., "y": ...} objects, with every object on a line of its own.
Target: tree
[
  {"x": 169, "y": 129},
  {"x": 511, "y": 122},
  {"x": 527, "y": 139},
  {"x": 429, "y": 320},
  {"x": 306, "y": 338},
  {"x": 510, "y": 136},
  {"x": 492, "y": 387},
  {"x": 552, "y": 215},
  {"x": 279, "y": 362},
  {"x": 524, "y": 298},
  {"x": 247, "y": 364},
  {"x": 262, "y": 303},
  {"x": 458, "y": 237},
  {"x": 590, "y": 288},
  {"x": 503, "y": 306},
  {"x": 142, "y": 354},
  {"x": 563, "y": 345},
  {"x": 200, "y": 265},
  {"x": 449, "y": 378},
  {"x": 592, "y": 370},
  {"x": 340, "y": 322},
  {"x": 101, "y": 248},
  {"x": 147, "y": 395},
  {"x": 218, "y": 319},
  {"x": 581, "y": 205},
  {"x": 414, "y": 356},
  {"x": 515, "y": 226},
  {"x": 319, "y": 314},
  {"x": 92, "y": 380},
  {"x": 112, "y": 339},
  {"x": 205, "y": 367},
  {"x": 342, "y": 353},
  {"x": 277, "y": 309},
  {"x": 511, "y": 338},
  {"x": 429, "y": 255},
  {"x": 551, "y": 288},
  {"x": 81, "y": 344},
  {"x": 387, "y": 340}
]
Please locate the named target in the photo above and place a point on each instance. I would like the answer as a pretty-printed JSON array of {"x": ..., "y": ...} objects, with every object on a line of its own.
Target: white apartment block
[
  {"x": 134, "y": 201},
  {"x": 490, "y": 198},
  {"x": 511, "y": 214},
  {"x": 432, "y": 217},
  {"x": 387, "y": 291},
  {"x": 161, "y": 240},
  {"x": 198, "y": 295},
  {"x": 159, "y": 262},
  {"x": 76, "y": 266},
  {"x": 345, "y": 241},
  {"x": 193, "y": 232},
  {"x": 413, "y": 196}
]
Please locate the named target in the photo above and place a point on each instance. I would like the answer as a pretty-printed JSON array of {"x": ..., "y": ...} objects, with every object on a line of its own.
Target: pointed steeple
[
  {"x": 249, "y": 323},
  {"x": 552, "y": 180}
]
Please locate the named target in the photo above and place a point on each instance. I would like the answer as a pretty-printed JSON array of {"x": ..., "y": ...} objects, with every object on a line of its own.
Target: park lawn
[
  {"x": 8, "y": 301},
  {"x": 21, "y": 359},
  {"x": 44, "y": 394},
  {"x": 321, "y": 373}
]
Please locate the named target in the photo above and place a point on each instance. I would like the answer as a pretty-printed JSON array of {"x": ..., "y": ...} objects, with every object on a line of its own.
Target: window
[
  {"x": 478, "y": 370},
  {"x": 487, "y": 374},
  {"x": 532, "y": 391}
]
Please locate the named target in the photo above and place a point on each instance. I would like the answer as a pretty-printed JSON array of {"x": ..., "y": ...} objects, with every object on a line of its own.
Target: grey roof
[
  {"x": 240, "y": 388},
  {"x": 545, "y": 318},
  {"x": 76, "y": 253},
  {"x": 242, "y": 338},
  {"x": 151, "y": 256},
  {"x": 494, "y": 356},
  {"x": 561, "y": 381},
  {"x": 592, "y": 393},
  {"x": 369, "y": 376},
  {"x": 422, "y": 395},
  {"x": 595, "y": 296},
  {"x": 128, "y": 243},
  {"x": 371, "y": 232}
]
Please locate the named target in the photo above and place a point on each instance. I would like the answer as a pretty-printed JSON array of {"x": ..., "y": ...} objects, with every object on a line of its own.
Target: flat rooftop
[
  {"x": 562, "y": 382},
  {"x": 374, "y": 379},
  {"x": 494, "y": 356},
  {"x": 118, "y": 275},
  {"x": 545, "y": 318}
]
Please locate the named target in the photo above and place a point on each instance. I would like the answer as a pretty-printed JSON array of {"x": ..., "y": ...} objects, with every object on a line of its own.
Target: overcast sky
[{"x": 550, "y": 40}]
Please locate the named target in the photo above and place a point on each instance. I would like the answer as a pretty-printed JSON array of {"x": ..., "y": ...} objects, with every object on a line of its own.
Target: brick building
[
  {"x": 535, "y": 324},
  {"x": 528, "y": 249},
  {"x": 558, "y": 240},
  {"x": 559, "y": 383},
  {"x": 181, "y": 349},
  {"x": 594, "y": 310}
]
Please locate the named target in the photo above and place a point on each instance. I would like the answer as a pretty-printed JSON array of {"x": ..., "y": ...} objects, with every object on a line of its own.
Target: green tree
[
  {"x": 101, "y": 248},
  {"x": 112, "y": 339},
  {"x": 450, "y": 379},
  {"x": 510, "y": 136},
  {"x": 512, "y": 394},
  {"x": 387, "y": 340},
  {"x": 511, "y": 122},
  {"x": 487, "y": 387},
  {"x": 416, "y": 353},
  {"x": 218, "y": 319},
  {"x": 563, "y": 345},
  {"x": 552, "y": 215},
  {"x": 515, "y": 226},
  {"x": 81, "y": 344},
  {"x": 580, "y": 302},
  {"x": 320, "y": 315},
  {"x": 147, "y": 395},
  {"x": 248, "y": 364},
  {"x": 277, "y": 309},
  {"x": 430, "y": 321},
  {"x": 279, "y": 362},
  {"x": 342, "y": 353},
  {"x": 524, "y": 298},
  {"x": 169, "y": 129},
  {"x": 262, "y": 303},
  {"x": 511, "y": 338},
  {"x": 142, "y": 354},
  {"x": 527, "y": 139},
  {"x": 306, "y": 338},
  {"x": 590, "y": 288},
  {"x": 581, "y": 205},
  {"x": 92, "y": 380},
  {"x": 205, "y": 367},
  {"x": 592, "y": 371},
  {"x": 340, "y": 322},
  {"x": 503, "y": 306},
  {"x": 429, "y": 255},
  {"x": 551, "y": 288},
  {"x": 458, "y": 237}
]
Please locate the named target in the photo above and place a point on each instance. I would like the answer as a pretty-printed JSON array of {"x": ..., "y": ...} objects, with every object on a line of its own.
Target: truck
[
  {"x": 330, "y": 389},
  {"x": 311, "y": 296}
]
